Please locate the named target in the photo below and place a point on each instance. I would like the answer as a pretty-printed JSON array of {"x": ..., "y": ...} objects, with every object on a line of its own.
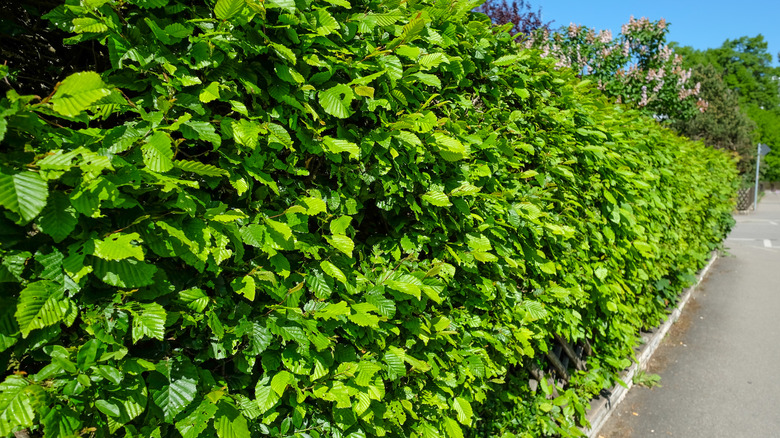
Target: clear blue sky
[{"x": 698, "y": 23}]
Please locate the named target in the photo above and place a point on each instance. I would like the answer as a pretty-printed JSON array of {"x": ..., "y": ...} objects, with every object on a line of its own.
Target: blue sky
[{"x": 697, "y": 23}]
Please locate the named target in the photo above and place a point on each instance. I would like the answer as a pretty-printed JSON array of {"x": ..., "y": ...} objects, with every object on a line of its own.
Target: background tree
[
  {"x": 746, "y": 68},
  {"x": 725, "y": 125},
  {"x": 520, "y": 14},
  {"x": 636, "y": 68}
]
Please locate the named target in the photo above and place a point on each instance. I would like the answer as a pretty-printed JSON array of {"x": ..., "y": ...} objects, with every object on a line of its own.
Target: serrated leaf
[
  {"x": 127, "y": 273},
  {"x": 199, "y": 130},
  {"x": 428, "y": 79},
  {"x": 193, "y": 425},
  {"x": 439, "y": 199},
  {"x": 232, "y": 428},
  {"x": 244, "y": 286},
  {"x": 149, "y": 322},
  {"x": 395, "y": 361},
  {"x": 340, "y": 225},
  {"x": 341, "y": 243},
  {"x": 337, "y": 100},
  {"x": 199, "y": 168},
  {"x": 58, "y": 219},
  {"x": 210, "y": 93},
  {"x": 119, "y": 246},
  {"x": 279, "y": 134},
  {"x": 336, "y": 146},
  {"x": 452, "y": 428},
  {"x": 333, "y": 311},
  {"x": 179, "y": 387},
  {"x": 506, "y": 60},
  {"x": 266, "y": 397},
  {"x": 406, "y": 284},
  {"x": 78, "y": 92},
  {"x": 384, "y": 306},
  {"x": 464, "y": 411},
  {"x": 158, "y": 153},
  {"x": 16, "y": 407},
  {"x": 281, "y": 381},
  {"x": 314, "y": 206},
  {"x": 259, "y": 336},
  {"x": 331, "y": 269},
  {"x": 41, "y": 304},
  {"x": 450, "y": 148},
  {"x": 227, "y": 9},
  {"x": 23, "y": 193},
  {"x": 88, "y": 24},
  {"x": 317, "y": 284}
]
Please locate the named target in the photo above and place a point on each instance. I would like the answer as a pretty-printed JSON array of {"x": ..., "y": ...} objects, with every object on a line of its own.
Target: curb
[{"x": 601, "y": 408}]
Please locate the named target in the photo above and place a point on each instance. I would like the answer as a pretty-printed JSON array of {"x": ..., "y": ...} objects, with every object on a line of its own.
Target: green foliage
[{"x": 293, "y": 218}]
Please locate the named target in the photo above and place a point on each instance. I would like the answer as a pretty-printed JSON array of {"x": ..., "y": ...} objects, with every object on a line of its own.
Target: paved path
[{"x": 720, "y": 363}]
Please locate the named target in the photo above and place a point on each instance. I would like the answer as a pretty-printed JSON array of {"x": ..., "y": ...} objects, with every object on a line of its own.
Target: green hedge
[{"x": 324, "y": 219}]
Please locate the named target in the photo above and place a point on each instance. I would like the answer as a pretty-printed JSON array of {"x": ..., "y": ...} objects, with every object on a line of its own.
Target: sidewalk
[{"x": 720, "y": 363}]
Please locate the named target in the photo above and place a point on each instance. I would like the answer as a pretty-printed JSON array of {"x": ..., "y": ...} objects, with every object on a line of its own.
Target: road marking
[
  {"x": 772, "y": 223},
  {"x": 767, "y": 243}
]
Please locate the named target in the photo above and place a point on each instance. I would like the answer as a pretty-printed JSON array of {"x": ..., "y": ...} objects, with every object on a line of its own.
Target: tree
[
  {"x": 520, "y": 14},
  {"x": 636, "y": 68},
  {"x": 745, "y": 66},
  {"x": 725, "y": 125}
]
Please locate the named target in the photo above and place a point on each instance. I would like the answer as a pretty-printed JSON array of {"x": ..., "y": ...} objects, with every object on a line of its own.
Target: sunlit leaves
[
  {"x": 336, "y": 100},
  {"x": 79, "y": 92},
  {"x": 178, "y": 385},
  {"x": 23, "y": 193},
  {"x": 158, "y": 152},
  {"x": 149, "y": 321},
  {"x": 227, "y": 9},
  {"x": 41, "y": 304}
]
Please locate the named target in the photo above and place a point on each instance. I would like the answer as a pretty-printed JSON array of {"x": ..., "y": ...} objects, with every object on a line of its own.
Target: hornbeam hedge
[{"x": 326, "y": 218}]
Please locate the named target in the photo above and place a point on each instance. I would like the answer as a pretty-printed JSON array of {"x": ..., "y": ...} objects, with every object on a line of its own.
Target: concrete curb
[{"x": 601, "y": 409}]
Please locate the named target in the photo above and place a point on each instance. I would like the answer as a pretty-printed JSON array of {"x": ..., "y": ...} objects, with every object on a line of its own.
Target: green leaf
[
  {"x": 78, "y": 92},
  {"x": 24, "y": 193},
  {"x": 314, "y": 206},
  {"x": 340, "y": 225},
  {"x": 336, "y": 146},
  {"x": 341, "y": 243},
  {"x": 266, "y": 397},
  {"x": 331, "y": 269},
  {"x": 158, "y": 153},
  {"x": 244, "y": 286},
  {"x": 58, "y": 219},
  {"x": 439, "y": 199},
  {"x": 336, "y": 100},
  {"x": 506, "y": 60},
  {"x": 451, "y": 149},
  {"x": 108, "y": 408},
  {"x": 281, "y": 381},
  {"x": 288, "y": 5},
  {"x": 463, "y": 408},
  {"x": 193, "y": 425},
  {"x": 16, "y": 405},
  {"x": 41, "y": 304},
  {"x": 88, "y": 24},
  {"x": 211, "y": 92},
  {"x": 428, "y": 79},
  {"x": 227, "y": 9},
  {"x": 199, "y": 168},
  {"x": 119, "y": 246},
  {"x": 395, "y": 361},
  {"x": 235, "y": 428},
  {"x": 179, "y": 385},
  {"x": 407, "y": 284},
  {"x": 127, "y": 273},
  {"x": 333, "y": 311},
  {"x": 452, "y": 428},
  {"x": 149, "y": 322},
  {"x": 259, "y": 337}
]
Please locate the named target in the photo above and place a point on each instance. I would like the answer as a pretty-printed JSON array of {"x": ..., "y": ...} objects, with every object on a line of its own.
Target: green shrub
[{"x": 320, "y": 219}]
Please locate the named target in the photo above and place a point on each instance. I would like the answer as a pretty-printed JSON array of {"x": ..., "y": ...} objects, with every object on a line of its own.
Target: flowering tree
[{"x": 636, "y": 67}]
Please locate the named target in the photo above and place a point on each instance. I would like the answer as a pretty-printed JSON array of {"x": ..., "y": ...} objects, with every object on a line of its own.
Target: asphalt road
[{"x": 720, "y": 363}]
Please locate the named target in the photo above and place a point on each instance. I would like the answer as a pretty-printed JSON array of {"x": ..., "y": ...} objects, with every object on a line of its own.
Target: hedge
[{"x": 329, "y": 219}]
